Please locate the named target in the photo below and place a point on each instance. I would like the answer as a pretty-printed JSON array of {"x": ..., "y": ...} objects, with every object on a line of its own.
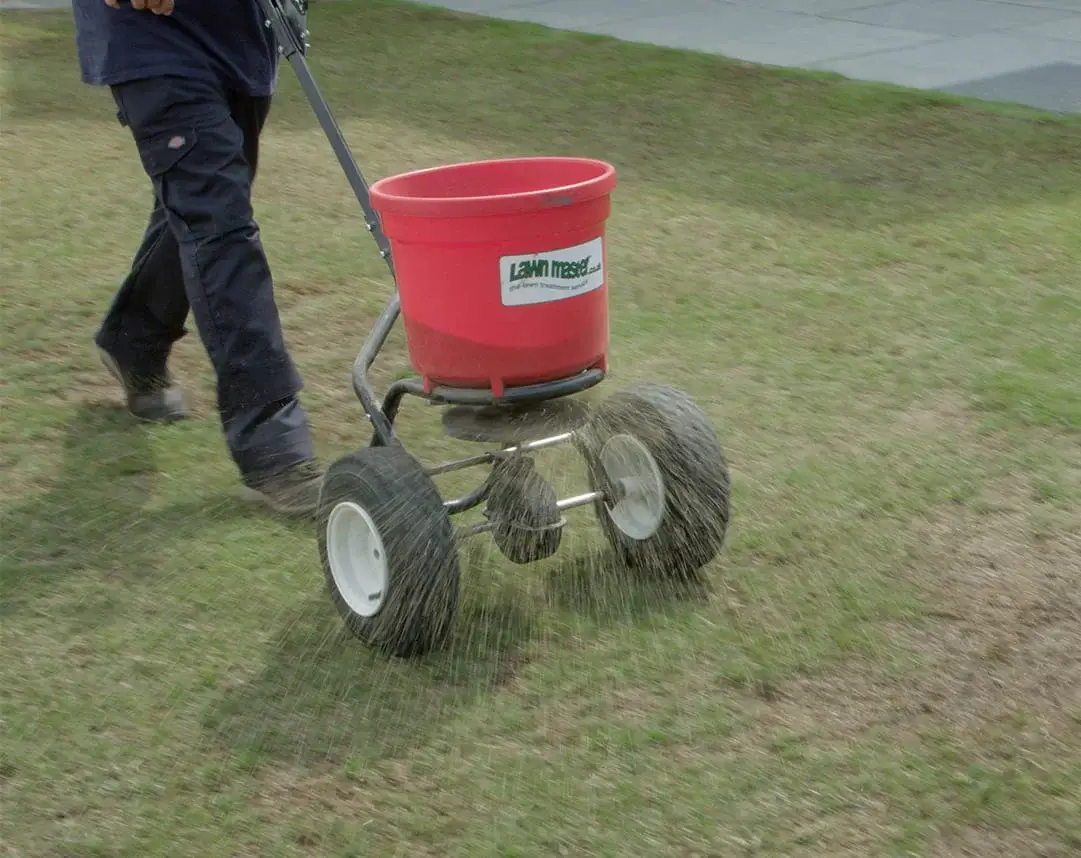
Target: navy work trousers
[{"x": 201, "y": 251}]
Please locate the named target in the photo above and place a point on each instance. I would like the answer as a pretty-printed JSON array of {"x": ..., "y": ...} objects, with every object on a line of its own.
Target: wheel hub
[
  {"x": 357, "y": 558},
  {"x": 638, "y": 506}
]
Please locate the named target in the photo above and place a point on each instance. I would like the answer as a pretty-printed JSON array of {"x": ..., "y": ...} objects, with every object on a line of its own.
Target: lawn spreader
[{"x": 500, "y": 272}]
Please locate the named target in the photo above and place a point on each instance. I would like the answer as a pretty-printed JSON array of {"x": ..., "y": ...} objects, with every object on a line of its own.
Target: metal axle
[
  {"x": 562, "y": 506},
  {"x": 495, "y": 455}
]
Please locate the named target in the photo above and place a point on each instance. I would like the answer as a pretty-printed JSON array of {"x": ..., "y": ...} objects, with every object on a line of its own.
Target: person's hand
[{"x": 158, "y": 7}]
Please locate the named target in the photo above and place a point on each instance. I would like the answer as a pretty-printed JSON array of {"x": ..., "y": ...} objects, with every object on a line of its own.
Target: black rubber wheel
[
  {"x": 389, "y": 551},
  {"x": 672, "y": 518}
]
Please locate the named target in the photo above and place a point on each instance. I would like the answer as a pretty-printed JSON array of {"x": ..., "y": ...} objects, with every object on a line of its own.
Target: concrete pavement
[{"x": 1025, "y": 51}]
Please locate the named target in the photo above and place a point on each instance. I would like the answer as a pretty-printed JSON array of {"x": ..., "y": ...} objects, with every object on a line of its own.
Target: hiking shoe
[
  {"x": 152, "y": 398},
  {"x": 292, "y": 492}
]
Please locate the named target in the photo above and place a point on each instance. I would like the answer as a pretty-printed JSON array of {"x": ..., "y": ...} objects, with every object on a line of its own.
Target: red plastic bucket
[{"x": 501, "y": 268}]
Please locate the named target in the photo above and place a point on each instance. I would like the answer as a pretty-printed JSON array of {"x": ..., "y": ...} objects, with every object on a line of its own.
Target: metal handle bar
[{"x": 288, "y": 20}]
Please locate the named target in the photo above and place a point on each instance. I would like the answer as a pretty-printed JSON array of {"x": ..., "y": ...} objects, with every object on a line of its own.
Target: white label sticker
[{"x": 538, "y": 278}]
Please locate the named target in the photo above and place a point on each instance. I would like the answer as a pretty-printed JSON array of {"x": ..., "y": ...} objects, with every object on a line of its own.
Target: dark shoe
[
  {"x": 152, "y": 398},
  {"x": 293, "y": 492}
]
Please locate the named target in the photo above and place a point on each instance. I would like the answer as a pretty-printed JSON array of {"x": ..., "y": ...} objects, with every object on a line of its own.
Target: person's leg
[
  {"x": 148, "y": 312},
  {"x": 194, "y": 152},
  {"x": 254, "y": 432},
  {"x": 145, "y": 318}
]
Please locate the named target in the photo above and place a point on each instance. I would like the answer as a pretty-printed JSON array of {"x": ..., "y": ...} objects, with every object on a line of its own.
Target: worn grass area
[{"x": 873, "y": 293}]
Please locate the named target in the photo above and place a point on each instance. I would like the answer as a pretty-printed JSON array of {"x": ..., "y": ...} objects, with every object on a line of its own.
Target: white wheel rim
[
  {"x": 357, "y": 558},
  {"x": 630, "y": 467}
]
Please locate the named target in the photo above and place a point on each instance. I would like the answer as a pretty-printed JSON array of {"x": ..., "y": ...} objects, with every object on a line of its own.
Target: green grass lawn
[{"x": 874, "y": 294}]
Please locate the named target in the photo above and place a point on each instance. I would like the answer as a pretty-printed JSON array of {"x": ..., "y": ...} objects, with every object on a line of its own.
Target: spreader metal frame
[
  {"x": 391, "y": 559},
  {"x": 288, "y": 20}
]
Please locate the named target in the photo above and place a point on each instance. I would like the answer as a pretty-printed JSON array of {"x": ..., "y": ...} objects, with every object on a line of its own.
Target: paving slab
[
  {"x": 1066, "y": 5},
  {"x": 594, "y": 16},
  {"x": 943, "y": 64},
  {"x": 1056, "y": 86},
  {"x": 706, "y": 28},
  {"x": 820, "y": 7},
  {"x": 954, "y": 17},
  {"x": 1068, "y": 29},
  {"x": 819, "y": 40}
]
